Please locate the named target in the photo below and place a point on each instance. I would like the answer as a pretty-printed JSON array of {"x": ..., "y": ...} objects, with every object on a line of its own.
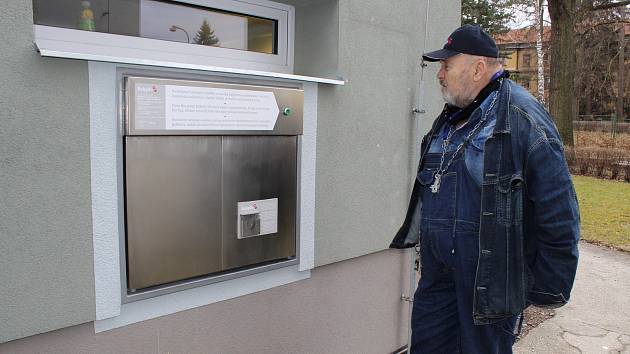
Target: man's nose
[{"x": 440, "y": 74}]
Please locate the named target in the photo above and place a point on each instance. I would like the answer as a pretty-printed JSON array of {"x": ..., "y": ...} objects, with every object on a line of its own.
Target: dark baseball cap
[{"x": 468, "y": 39}]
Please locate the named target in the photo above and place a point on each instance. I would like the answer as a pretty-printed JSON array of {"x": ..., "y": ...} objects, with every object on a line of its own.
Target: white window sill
[{"x": 143, "y": 310}]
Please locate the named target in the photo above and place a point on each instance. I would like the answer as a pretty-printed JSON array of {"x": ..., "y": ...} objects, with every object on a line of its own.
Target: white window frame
[
  {"x": 78, "y": 44},
  {"x": 107, "y": 207}
]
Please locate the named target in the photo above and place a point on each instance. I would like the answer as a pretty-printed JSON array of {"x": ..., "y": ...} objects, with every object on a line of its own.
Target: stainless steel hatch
[
  {"x": 258, "y": 168},
  {"x": 203, "y": 202}
]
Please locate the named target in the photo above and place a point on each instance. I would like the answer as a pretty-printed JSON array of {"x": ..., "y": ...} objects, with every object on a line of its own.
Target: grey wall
[
  {"x": 316, "y": 37},
  {"x": 46, "y": 279},
  {"x": 444, "y": 17},
  {"x": 367, "y": 136},
  {"x": 367, "y": 151},
  {"x": 347, "y": 307}
]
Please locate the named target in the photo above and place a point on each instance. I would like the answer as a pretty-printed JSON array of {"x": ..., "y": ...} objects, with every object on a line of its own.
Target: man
[{"x": 493, "y": 207}]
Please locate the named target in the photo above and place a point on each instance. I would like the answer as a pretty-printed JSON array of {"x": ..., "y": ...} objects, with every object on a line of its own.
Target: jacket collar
[
  {"x": 502, "y": 108},
  {"x": 502, "y": 103}
]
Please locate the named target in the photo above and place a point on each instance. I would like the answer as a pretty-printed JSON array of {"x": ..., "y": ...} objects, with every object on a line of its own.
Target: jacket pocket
[
  {"x": 509, "y": 200},
  {"x": 425, "y": 177}
]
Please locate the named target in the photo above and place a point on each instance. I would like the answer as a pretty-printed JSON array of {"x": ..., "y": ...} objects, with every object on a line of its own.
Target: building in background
[
  {"x": 518, "y": 47},
  {"x": 90, "y": 86},
  {"x": 597, "y": 50}
]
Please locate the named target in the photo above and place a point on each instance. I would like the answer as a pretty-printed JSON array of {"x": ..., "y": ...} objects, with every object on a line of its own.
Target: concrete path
[{"x": 597, "y": 319}]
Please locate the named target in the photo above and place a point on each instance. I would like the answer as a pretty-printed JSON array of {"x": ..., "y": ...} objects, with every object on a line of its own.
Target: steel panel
[
  {"x": 257, "y": 168},
  {"x": 173, "y": 207}
]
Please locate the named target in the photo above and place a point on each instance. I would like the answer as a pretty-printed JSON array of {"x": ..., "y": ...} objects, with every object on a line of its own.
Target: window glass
[
  {"x": 527, "y": 60},
  {"x": 163, "y": 20}
]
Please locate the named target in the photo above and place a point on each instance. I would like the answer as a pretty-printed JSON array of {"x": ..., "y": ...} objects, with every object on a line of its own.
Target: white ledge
[
  {"x": 95, "y": 57},
  {"x": 103, "y": 47}
]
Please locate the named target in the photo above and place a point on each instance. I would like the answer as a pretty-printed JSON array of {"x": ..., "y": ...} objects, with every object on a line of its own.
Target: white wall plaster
[
  {"x": 308, "y": 166},
  {"x": 105, "y": 162}
]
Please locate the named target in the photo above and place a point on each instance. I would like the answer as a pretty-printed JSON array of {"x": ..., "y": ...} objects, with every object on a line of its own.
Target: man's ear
[{"x": 480, "y": 69}]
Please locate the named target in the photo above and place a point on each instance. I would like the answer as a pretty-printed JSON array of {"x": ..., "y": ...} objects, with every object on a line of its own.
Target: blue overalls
[{"x": 443, "y": 303}]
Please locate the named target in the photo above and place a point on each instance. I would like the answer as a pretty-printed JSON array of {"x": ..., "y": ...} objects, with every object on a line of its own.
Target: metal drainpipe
[{"x": 419, "y": 109}]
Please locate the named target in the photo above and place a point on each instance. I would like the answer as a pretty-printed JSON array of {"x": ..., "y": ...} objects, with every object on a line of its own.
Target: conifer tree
[
  {"x": 491, "y": 15},
  {"x": 205, "y": 35}
]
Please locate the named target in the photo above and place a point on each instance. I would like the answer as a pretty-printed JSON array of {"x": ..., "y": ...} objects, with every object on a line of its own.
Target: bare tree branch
[
  {"x": 593, "y": 26},
  {"x": 611, "y": 5}
]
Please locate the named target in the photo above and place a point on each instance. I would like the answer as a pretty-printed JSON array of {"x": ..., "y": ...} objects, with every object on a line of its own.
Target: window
[
  {"x": 222, "y": 33},
  {"x": 527, "y": 60},
  {"x": 161, "y": 20}
]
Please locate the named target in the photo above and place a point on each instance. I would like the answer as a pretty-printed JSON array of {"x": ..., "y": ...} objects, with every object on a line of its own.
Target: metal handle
[{"x": 416, "y": 110}]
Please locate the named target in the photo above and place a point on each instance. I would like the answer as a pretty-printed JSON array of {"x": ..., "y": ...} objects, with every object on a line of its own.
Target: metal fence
[
  {"x": 601, "y": 147},
  {"x": 607, "y": 123}
]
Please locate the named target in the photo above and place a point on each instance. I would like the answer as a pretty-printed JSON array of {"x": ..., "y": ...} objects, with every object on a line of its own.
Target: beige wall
[
  {"x": 524, "y": 74},
  {"x": 511, "y": 62},
  {"x": 347, "y": 307}
]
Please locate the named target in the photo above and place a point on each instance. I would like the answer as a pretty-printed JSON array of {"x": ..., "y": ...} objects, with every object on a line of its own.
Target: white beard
[
  {"x": 448, "y": 97},
  {"x": 461, "y": 101}
]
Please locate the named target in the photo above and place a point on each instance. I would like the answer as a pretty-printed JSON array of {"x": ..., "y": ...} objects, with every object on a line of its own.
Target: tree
[
  {"x": 599, "y": 62},
  {"x": 534, "y": 11},
  {"x": 205, "y": 35},
  {"x": 562, "y": 66},
  {"x": 494, "y": 16},
  {"x": 531, "y": 14},
  {"x": 564, "y": 14},
  {"x": 539, "y": 11},
  {"x": 491, "y": 15}
]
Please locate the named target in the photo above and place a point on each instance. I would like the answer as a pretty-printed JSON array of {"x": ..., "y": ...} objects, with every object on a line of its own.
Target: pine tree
[
  {"x": 491, "y": 15},
  {"x": 205, "y": 35}
]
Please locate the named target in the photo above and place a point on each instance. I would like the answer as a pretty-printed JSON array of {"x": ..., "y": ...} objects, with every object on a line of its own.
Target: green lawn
[{"x": 604, "y": 211}]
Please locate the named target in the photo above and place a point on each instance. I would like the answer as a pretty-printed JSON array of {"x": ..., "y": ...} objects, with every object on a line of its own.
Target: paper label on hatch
[
  {"x": 257, "y": 218},
  {"x": 211, "y": 108}
]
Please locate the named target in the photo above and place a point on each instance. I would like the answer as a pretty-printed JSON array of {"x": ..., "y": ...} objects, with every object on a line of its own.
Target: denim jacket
[{"x": 529, "y": 222}]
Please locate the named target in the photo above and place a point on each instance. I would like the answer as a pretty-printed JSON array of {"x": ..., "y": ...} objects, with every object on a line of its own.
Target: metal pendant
[{"x": 435, "y": 187}]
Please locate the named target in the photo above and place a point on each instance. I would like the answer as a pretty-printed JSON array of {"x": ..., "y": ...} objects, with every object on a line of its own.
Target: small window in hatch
[{"x": 163, "y": 20}]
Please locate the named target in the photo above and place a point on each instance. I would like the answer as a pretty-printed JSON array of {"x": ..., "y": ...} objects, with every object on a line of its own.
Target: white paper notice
[
  {"x": 207, "y": 108},
  {"x": 257, "y": 217}
]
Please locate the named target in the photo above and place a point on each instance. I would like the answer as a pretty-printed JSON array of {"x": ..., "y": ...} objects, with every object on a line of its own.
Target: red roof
[
  {"x": 522, "y": 35},
  {"x": 528, "y": 35}
]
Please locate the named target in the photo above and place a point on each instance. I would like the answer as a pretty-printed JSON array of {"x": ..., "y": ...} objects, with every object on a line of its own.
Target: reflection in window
[{"x": 163, "y": 20}]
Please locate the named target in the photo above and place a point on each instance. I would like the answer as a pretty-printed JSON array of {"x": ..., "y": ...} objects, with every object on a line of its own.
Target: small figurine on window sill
[{"x": 86, "y": 20}]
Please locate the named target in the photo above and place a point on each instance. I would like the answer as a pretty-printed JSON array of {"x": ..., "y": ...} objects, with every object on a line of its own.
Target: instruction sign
[
  {"x": 207, "y": 108},
  {"x": 173, "y": 107}
]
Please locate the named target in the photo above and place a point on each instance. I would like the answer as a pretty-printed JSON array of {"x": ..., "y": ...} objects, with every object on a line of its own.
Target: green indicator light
[{"x": 287, "y": 111}]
